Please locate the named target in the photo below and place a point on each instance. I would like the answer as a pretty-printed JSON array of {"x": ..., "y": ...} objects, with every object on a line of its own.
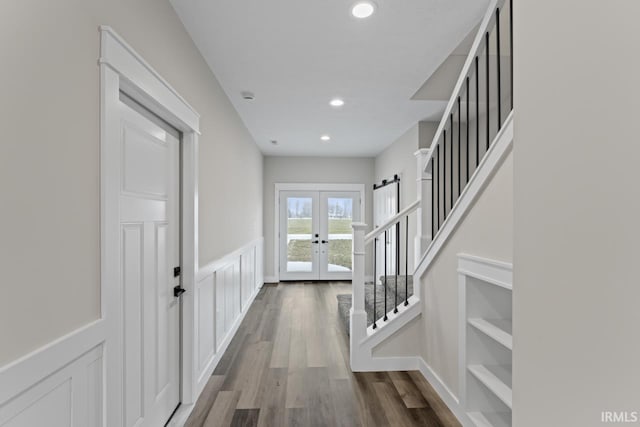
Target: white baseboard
[
  {"x": 270, "y": 279},
  {"x": 443, "y": 391},
  {"x": 57, "y": 384}
]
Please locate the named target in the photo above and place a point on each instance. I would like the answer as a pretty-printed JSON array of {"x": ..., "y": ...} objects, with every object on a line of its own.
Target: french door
[{"x": 315, "y": 234}]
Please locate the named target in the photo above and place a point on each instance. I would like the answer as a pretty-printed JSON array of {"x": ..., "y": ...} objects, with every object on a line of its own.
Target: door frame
[
  {"x": 306, "y": 187},
  {"x": 122, "y": 69}
]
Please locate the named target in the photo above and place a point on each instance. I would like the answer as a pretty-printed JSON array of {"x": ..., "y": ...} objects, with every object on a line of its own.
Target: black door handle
[
  {"x": 325, "y": 241},
  {"x": 314, "y": 241},
  {"x": 178, "y": 290}
]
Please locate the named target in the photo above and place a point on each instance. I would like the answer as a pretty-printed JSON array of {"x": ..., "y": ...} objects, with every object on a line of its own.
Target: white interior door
[
  {"x": 149, "y": 222},
  {"x": 315, "y": 234},
  {"x": 338, "y": 209}
]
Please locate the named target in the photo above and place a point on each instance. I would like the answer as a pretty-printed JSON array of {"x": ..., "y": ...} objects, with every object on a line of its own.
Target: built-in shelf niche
[{"x": 486, "y": 340}]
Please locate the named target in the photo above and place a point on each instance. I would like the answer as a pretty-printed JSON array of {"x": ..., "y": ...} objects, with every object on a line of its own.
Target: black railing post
[
  {"x": 511, "y": 46},
  {"x": 406, "y": 260},
  {"x": 375, "y": 286},
  {"x": 498, "y": 69},
  {"x": 477, "y": 112},
  {"x": 437, "y": 204},
  {"x": 488, "y": 95},
  {"x": 459, "y": 147},
  {"x": 444, "y": 176},
  {"x": 451, "y": 164},
  {"x": 468, "y": 125},
  {"x": 433, "y": 204},
  {"x": 395, "y": 297},
  {"x": 386, "y": 242}
]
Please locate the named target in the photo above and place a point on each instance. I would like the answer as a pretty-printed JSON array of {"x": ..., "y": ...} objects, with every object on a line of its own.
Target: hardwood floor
[{"x": 288, "y": 365}]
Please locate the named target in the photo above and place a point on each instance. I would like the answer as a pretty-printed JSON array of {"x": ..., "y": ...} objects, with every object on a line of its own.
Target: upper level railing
[{"x": 481, "y": 102}]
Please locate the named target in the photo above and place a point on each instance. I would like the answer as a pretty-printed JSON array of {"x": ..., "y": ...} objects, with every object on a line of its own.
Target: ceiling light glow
[
  {"x": 325, "y": 138},
  {"x": 336, "y": 102},
  {"x": 363, "y": 9}
]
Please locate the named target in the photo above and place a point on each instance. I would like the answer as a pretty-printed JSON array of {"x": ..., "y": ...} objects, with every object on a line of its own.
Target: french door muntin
[{"x": 315, "y": 234}]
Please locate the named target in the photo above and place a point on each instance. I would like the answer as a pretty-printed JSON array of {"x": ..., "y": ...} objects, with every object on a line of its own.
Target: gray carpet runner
[{"x": 344, "y": 300}]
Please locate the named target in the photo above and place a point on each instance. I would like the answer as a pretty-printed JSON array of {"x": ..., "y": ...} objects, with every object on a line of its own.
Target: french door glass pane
[
  {"x": 340, "y": 211},
  {"x": 299, "y": 233}
]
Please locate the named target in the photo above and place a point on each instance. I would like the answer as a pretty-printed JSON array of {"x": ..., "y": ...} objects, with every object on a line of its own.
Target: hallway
[{"x": 288, "y": 365}]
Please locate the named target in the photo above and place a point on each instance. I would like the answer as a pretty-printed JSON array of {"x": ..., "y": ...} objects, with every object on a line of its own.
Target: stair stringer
[{"x": 363, "y": 344}]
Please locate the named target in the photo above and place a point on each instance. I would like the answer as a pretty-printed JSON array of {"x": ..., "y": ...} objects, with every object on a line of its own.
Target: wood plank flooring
[{"x": 288, "y": 365}]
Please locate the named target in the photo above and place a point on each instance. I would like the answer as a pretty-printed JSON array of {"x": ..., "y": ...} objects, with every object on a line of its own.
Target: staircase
[
  {"x": 474, "y": 136},
  {"x": 392, "y": 300}
]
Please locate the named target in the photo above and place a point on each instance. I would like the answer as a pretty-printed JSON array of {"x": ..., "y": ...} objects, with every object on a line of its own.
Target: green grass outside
[
  {"x": 303, "y": 226},
  {"x": 339, "y": 252}
]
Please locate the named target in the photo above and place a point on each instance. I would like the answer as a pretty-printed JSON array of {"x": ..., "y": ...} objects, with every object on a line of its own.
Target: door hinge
[{"x": 176, "y": 271}]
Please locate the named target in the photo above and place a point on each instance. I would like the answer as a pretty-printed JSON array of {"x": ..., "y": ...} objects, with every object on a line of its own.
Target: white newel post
[
  {"x": 358, "y": 324},
  {"x": 423, "y": 223}
]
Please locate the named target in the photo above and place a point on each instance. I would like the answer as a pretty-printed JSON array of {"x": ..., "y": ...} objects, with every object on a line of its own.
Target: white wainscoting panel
[
  {"x": 69, "y": 395},
  {"x": 225, "y": 289}
]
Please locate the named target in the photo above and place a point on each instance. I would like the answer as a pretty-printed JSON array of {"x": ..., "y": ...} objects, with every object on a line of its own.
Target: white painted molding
[
  {"x": 220, "y": 263},
  {"x": 270, "y": 279},
  {"x": 123, "y": 69},
  {"x": 490, "y": 271},
  {"x": 487, "y": 168},
  {"x": 447, "y": 396},
  {"x": 117, "y": 54},
  {"x": 60, "y": 383},
  {"x": 32, "y": 368}
]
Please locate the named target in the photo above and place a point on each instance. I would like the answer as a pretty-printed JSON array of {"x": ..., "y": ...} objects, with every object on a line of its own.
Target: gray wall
[
  {"x": 576, "y": 293},
  {"x": 312, "y": 170},
  {"x": 399, "y": 159},
  {"x": 49, "y": 157}
]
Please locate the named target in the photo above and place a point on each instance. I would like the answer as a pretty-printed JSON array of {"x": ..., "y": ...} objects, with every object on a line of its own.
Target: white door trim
[
  {"x": 122, "y": 69},
  {"x": 305, "y": 187}
]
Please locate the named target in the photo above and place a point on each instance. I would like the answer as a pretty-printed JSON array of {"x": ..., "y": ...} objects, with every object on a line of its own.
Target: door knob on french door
[
  {"x": 325, "y": 241},
  {"x": 178, "y": 290},
  {"x": 314, "y": 242}
]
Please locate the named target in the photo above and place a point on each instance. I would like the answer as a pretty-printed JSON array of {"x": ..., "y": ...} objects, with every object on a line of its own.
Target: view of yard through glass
[{"x": 299, "y": 223}]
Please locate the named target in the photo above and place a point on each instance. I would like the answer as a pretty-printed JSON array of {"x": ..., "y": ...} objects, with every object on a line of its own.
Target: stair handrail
[
  {"x": 391, "y": 222},
  {"x": 487, "y": 21}
]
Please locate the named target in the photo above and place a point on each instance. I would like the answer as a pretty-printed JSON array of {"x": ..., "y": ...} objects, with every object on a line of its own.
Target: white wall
[
  {"x": 577, "y": 99},
  {"x": 487, "y": 232},
  {"x": 49, "y": 157},
  {"x": 343, "y": 170}
]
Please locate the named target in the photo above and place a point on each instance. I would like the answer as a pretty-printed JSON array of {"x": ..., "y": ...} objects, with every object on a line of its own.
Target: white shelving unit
[{"x": 486, "y": 340}]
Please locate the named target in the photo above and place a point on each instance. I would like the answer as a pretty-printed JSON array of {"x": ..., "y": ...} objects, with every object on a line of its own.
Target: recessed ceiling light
[
  {"x": 325, "y": 138},
  {"x": 336, "y": 102},
  {"x": 363, "y": 9},
  {"x": 274, "y": 142}
]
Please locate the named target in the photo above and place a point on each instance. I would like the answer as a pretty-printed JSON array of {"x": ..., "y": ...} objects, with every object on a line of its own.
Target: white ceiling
[{"x": 296, "y": 55}]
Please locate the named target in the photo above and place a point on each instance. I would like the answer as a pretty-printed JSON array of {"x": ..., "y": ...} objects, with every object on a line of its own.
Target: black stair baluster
[
  {"x": 511, "y": 47},
  {"x": 498, "y": 69},
  {"x": 468, "y": 123},
  {"x": 375, "y": 260},
  {"x": 488, "y": 95},
  {"x": 386, "y": 240},
  {"x": 406, "y": 261},
  {"x": 437, "y": 190},
  {"x": 459, "y": 145},
  {"x": 444, "y": 176},
  {"x": 477, "y": 112},
  {"x": 433, "y": 202},
  {"x": 451, "y": 164},
  {"x": 395, "y": 298}
]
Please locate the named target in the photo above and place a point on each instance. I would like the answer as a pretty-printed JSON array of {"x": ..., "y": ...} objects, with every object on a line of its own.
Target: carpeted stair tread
[{"x": 344, "y": 300}]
